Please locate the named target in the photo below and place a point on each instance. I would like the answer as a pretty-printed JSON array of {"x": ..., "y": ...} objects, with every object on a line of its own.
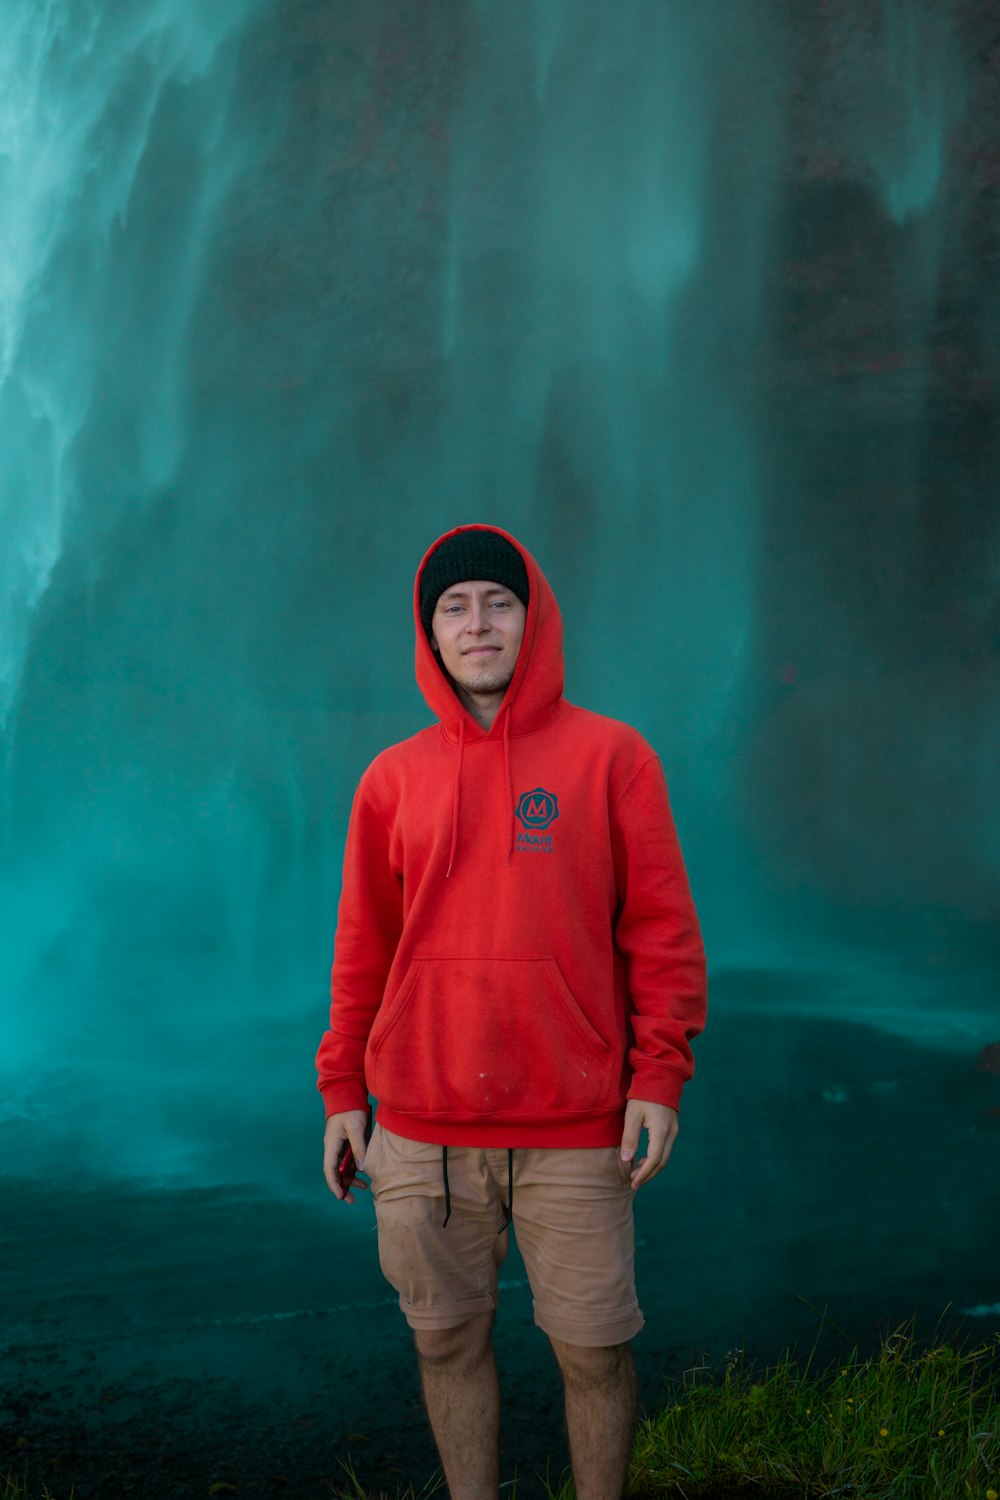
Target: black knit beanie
[{"x": 469, "y": 555}]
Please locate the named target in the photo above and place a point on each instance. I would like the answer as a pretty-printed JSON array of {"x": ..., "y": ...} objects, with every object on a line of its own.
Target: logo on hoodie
[{"x": 537, "y": 810}]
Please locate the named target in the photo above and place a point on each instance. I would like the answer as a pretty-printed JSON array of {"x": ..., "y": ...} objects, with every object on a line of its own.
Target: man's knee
[
  {"x": 591, "y": 1366},
  {"x": 465, "y": 1343}
]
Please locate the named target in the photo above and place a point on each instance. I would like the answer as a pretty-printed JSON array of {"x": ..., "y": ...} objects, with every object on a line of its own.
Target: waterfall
[{"x": 286, "y": 290}]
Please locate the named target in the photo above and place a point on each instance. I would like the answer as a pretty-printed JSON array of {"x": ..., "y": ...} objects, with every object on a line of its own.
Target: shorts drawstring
[
  {"x": 447, "y": 1189},
  {"x": 510, "y": 1193},
  {"x": 510, "y": 1190}
]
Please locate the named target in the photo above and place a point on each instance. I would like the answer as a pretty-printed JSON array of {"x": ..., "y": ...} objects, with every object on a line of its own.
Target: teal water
[{"x": 701, "y": 303}]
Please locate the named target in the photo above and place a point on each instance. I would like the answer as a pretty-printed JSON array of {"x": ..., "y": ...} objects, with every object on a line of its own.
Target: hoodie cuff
[
  {"x": 661, "y": 1087},
  {"x": 338, "y": 1098}
]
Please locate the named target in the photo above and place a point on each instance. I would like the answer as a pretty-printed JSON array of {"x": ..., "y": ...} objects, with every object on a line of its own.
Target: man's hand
[
  {"x": 661, "y": 1125},
  {"x": 349, "y": 1126}
]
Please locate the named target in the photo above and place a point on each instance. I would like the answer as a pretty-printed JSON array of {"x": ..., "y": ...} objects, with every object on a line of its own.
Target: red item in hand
[{"x": 347, "y": 1167}]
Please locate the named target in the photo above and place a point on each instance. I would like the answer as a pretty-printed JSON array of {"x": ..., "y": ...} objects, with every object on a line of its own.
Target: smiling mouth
[{"x": 481, "y": 650}]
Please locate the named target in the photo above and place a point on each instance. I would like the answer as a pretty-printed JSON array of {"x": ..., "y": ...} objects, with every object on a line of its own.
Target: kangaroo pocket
[{"x": 471, "y": 1036}]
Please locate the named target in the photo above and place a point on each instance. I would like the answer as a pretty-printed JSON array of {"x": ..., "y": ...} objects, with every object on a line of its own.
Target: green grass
[{"x": 909, "y": 1424}]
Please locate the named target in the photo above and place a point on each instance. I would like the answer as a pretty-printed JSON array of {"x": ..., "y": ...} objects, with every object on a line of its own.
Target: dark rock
[{"x": 988, "y": 1060}]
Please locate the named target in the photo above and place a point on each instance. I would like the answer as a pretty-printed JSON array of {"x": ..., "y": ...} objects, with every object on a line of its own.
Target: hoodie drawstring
[
  {"x": 455, "y": 798},
  {"x": 510, "y": 1190},
  {"x": 456, "y": 795},
  {"x": 510, "y": 789}
]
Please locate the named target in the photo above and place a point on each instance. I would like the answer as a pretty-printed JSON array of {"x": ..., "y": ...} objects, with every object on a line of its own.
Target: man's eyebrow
[{"x": 462, "y": 593}]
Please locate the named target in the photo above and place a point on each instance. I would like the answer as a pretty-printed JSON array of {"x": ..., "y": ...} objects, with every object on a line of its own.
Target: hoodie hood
[
  {"x": 535, "y": 690},
  {"x": 537, "y": 684}
]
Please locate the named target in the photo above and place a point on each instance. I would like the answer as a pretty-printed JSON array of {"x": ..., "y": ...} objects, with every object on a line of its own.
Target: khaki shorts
[{"x": 572, "y": 1217}]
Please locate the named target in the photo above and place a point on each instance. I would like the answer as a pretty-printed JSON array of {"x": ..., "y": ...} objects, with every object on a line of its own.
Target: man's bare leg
[
  {"x": 458, "y": 1376},
  {"x": 601, "y": 1403}
]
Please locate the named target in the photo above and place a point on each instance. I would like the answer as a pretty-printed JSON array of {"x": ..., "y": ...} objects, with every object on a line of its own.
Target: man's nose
[{"x": 479, "y": 620}]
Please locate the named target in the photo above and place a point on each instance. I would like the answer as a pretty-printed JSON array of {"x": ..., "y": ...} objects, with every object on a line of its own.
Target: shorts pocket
[
  {"x": 373, "y": 1150},
  {"x": 624, "y": 1181},
  {"x": 473, "y": 1036}
]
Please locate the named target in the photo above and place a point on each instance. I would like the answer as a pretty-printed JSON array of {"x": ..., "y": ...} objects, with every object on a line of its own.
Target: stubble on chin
[{"x": 487, "y": 680}]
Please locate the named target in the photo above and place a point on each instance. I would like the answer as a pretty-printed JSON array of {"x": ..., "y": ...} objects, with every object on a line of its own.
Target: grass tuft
[
  {"x": 908, "y": 1424},
  {"x": 14, "y": 1488}
]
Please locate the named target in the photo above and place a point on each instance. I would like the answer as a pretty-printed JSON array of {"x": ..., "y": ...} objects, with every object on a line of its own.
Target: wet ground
[{"x": 830, "y": 1180}]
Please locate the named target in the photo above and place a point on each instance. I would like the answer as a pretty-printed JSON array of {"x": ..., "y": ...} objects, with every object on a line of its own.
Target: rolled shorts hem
[
  {"x": 590, "y": 1332},
  {"x": 448, "y": 1315}
]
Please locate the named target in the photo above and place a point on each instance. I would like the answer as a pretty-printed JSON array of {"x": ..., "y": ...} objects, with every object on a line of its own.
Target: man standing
[{"x": 518, "y": 975}]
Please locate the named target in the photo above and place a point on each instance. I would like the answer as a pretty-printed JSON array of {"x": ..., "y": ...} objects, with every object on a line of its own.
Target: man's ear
[{"x": 434, "y": 644}]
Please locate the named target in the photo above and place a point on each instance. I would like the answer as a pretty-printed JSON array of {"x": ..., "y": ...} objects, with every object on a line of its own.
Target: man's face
[{"x": 477, "y": 629}]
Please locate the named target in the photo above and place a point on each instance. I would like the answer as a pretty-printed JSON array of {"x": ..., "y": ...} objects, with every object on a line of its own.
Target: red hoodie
[{"x": 517, "y": 950}]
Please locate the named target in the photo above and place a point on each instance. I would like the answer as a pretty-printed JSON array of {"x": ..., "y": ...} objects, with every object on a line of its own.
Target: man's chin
[{"x": 485, "y": 681}]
